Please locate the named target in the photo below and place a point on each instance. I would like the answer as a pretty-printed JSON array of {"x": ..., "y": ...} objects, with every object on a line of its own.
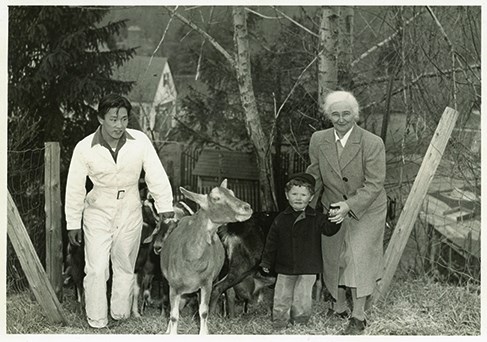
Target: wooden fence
[{"x": 46, "y": 287}]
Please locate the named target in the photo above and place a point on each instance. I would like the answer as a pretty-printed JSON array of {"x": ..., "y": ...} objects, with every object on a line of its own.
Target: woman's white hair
[{"x": 341, "y": 96}]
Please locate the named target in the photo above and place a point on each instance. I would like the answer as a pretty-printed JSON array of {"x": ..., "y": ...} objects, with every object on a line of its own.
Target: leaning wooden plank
[
  {"x": 53, "y": 208},
  {"x": 32, "y": 266},
  {"x": 414, "y": 201}
]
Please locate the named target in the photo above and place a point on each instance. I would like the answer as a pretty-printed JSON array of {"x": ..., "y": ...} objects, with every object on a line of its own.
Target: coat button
[
  {"x": 344, "y": 197},
  {"x": 345, "y": 179}
]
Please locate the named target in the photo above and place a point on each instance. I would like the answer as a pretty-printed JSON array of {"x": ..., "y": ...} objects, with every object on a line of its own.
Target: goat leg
[
  {"x": 224, "y": 284},
  {"x": 203, "y": 308},
  {"x": 230, "y": 297},
  {"x": 174, "y": 299},
  {"x": 135, "y": 297}
]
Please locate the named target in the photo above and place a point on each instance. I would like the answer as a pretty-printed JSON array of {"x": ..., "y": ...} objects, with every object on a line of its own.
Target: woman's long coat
[{"x": 358, "y": 179}]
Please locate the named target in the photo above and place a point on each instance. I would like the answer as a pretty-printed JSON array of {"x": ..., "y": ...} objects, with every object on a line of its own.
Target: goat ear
[
  {"x": 202, "y": 200},
  {"x": 224, "y": 184}
]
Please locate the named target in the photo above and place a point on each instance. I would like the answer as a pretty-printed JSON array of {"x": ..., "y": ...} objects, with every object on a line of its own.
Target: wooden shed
[
  {"x": 454, "y": 214},
  {"x": 446, "y": 236},
  {"x": 239, "y": 168}
]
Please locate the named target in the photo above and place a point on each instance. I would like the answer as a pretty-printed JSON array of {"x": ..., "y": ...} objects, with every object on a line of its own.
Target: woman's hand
[{"x": 340, "y": 212}]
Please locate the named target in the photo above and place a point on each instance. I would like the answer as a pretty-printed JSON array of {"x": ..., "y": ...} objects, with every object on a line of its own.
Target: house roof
[
  {"x": 147, "y": 76},
  {"x": 227, "y": 164}
]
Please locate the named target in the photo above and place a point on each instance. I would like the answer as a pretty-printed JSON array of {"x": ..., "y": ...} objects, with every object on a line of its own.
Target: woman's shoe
[{"x": 355, "y": 327}]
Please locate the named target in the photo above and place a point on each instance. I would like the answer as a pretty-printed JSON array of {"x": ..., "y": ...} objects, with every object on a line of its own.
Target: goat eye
[{"x": 216, "y": 198}]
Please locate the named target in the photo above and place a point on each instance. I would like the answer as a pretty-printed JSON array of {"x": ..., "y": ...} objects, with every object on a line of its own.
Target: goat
[
  {"x": 75, "y": 260},
  {"x": 147, "y": 268},
  {"x": 243, "y": 243},
  {"x": 192, "y": 254},
  {"x": 150, "y": 266},
  {"x": 250, "y": 289}
]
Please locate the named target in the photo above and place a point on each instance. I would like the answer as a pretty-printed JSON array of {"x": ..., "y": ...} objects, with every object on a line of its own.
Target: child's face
[{"x": 299, "y": 197}]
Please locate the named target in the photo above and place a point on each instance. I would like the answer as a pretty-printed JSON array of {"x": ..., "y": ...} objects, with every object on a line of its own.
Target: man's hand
[{"x": 75, "y": 237}]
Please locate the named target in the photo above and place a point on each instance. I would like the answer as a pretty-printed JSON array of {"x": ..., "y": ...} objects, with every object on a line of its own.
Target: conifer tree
[{"x": 60, "y": 62}]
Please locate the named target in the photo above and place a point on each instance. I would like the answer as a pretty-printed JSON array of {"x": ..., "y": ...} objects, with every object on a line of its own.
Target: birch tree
[
  {"x": 327, "y": 55},
  {"x": 247, "y": 97},
  {"x": 241, "y": 64}
]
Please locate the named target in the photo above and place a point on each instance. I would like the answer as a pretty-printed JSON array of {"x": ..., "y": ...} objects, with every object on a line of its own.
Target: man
[
  {"x": 349, "y": 164},
  {"x": 113, "y": 158}
]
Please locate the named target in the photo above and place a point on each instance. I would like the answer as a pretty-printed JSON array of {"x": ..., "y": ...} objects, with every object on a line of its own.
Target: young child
[{"x": 293, "y": 250}]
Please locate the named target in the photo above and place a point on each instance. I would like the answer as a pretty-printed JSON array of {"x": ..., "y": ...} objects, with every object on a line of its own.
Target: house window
[{"x": 165, "y": 80}]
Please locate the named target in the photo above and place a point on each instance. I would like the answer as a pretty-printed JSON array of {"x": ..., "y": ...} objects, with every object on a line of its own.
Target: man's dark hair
[{"x": 113, "y": 101}]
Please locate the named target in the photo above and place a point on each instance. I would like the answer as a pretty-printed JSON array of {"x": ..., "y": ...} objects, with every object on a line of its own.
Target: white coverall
[{"x": 112, "y": 215}]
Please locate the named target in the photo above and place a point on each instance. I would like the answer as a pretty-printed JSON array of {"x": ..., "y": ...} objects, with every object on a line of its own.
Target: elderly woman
[{"x": 349, "y": 166}]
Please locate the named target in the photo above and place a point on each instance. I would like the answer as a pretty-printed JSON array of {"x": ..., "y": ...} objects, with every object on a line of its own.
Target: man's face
[
  {"x": 114, "y": 123},
  {"x": 342, "y": 117}
]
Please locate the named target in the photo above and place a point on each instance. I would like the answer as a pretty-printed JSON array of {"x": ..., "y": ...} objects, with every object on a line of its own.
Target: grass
[{"x": 414, "y": 306}]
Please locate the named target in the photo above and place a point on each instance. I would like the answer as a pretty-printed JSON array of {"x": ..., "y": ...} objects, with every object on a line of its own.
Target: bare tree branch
[
  {"x": 261, "y": 15},
  {"x": 437, "y": 73},
  {"x": 158, "y": 45},
  {"x": 414, "y": 81},
  {"x": 295, "y": 143},
  {"x": 200, "y": 57},
  {"x": 385, "y": 41},
  {"x": 452, "y": 51},
  {"x": 295, "y": 85},
  {"x": 212, "y": 40},
  {"x": 162, "y": 38},
  {"x": 295, "y": 22}
]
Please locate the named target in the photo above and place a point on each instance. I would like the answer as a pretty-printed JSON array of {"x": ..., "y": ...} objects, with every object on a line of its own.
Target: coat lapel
[
  {"x": 329, "y": 150},
  {"x": 352, "y": 147}
]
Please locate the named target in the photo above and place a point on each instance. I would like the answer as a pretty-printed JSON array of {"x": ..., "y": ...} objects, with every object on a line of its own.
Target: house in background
[{"x": 153, "y": 95}]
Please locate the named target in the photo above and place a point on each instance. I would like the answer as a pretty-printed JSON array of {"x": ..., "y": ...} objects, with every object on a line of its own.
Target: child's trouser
[{"x": 292, "y": 299}]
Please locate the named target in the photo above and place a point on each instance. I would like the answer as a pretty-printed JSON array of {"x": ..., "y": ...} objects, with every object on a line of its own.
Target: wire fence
[{"x": 25, "y": 174}]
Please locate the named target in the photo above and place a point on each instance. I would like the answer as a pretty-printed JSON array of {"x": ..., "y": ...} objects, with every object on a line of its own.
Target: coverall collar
[{"x": 98, "y": 139}]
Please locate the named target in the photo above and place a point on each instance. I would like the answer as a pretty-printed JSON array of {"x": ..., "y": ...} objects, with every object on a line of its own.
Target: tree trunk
[
  {"x": 253, "y": 124},
  {"x": 327, "y": 59},
  {"x": 395, "y": 69},
  {"x": 345, "y": 21}
]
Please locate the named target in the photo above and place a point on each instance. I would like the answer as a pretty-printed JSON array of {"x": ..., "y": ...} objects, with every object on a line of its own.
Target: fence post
[
  {"x": 31, "y": 265},
  {"x": 52, "y": 194},
  {"x": 406, "y": 220}
]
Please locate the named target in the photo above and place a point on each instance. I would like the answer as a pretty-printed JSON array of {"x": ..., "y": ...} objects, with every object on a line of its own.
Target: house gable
[
  {"x": 146, "y": 73},
  {"x": 154, "y": 87}
]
